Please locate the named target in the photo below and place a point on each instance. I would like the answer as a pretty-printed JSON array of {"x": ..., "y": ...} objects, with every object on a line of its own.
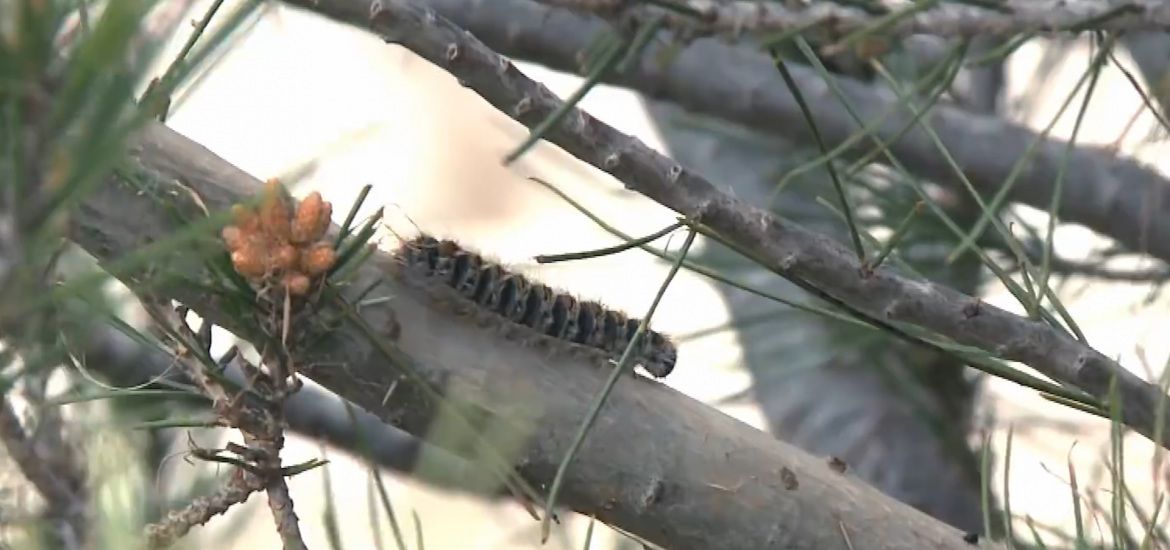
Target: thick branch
[
  {"x": 310, "y": 412},
  {"x": 695, "y": 478},
  {"x": 943, "y": 18},
  {"x": 809, "y": 259},
  {"x": 1114, "y": 196}
]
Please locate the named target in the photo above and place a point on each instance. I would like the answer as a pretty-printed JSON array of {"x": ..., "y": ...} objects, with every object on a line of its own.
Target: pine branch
[
  {"x": 695, "y": 478},
  {"x": 311, "y": 412},
  {"x": 239, "y": 486},
  {"x": 812, "y": 261},
  {"x": 1116, "y": 197},
  {"x": 952, "y": 19}
]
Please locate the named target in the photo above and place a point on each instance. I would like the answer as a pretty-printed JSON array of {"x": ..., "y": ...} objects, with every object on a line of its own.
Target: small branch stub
[
  {"x": 523, "y": 106},
  {"x": 612, "y": 161}
]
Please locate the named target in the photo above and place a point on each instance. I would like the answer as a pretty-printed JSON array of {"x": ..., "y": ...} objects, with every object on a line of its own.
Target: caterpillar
[{"x": 513, "y": 298}]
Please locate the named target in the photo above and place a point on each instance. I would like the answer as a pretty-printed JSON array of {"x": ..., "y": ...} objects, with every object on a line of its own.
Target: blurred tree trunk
[{"x": 1151, "y": 54}]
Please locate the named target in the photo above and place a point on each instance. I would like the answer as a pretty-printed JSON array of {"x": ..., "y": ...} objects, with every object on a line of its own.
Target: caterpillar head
[{"x": 660, "y": 355}]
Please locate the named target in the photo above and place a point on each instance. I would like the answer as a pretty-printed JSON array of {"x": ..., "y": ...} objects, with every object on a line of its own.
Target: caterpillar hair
[{"x": 486, "y": 286}]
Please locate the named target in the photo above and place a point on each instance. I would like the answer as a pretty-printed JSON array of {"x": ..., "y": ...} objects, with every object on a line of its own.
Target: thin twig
[
  {"x": 634, "y": 243},
  {"x": 280, "y": 501},
  {"x": 260, "y": 422},
  {"x": 177, "y": 523}
]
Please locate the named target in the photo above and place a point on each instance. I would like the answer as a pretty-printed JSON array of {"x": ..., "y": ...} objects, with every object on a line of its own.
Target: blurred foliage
[{"x": 69, "y": 72}]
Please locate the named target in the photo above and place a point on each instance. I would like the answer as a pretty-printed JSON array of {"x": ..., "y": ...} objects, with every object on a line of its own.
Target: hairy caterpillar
[{"x": 487, "y": 286}]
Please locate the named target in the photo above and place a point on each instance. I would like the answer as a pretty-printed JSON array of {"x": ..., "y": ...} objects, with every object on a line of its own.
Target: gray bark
[
  {"x": 844, "y": 400},
  {"x": 695, "y": 478},
  {"x": 1014, "y": 17},
  {"x": 818, "y": 385},
  {"x": 811, "y": 260},
  {"x": 1117, "y": 197}
]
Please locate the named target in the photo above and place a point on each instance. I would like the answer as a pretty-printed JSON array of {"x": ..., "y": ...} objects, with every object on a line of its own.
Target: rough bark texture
[
  {"x": 694, "y": 479},
  {"x": 900, "y": 419},
  {"x": 812, "y": 260},
  {"x": 1010, "y": 18},
  {"x": 1117, "y": 197}
]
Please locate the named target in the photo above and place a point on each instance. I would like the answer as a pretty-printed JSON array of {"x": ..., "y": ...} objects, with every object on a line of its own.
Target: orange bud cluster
[{"x": 275, "y": 244}]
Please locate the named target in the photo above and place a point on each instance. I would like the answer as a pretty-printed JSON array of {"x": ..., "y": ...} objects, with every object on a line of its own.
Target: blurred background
[{"x": 333, "y": 109}]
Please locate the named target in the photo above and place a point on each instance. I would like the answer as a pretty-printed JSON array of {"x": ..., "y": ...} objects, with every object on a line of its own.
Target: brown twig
[
  {"x": 279, "y": 499},
  {"x": 259, "y": 420},
  {"x": 809, "y": 259},
  {"x": 177, "y": 523}
]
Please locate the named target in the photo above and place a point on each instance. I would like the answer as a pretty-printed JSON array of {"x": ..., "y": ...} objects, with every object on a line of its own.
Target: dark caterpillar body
[{"x": 535, "y": 305}]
